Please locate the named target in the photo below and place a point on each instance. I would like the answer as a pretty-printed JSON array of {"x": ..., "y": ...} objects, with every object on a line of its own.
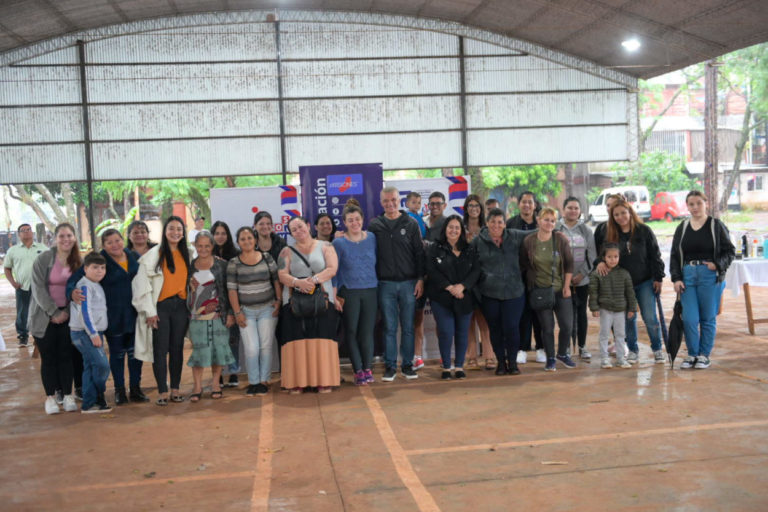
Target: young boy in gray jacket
[
  {"x": 87, "y": 323},
  {"x": 612, "y": 299}
]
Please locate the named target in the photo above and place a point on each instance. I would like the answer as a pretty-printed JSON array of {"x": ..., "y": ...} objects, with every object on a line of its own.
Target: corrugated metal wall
[{"x": 206, "y": 101}]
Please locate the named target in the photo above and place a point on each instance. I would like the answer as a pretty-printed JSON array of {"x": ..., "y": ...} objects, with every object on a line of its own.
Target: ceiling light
[{"x": 631, "y": 45}]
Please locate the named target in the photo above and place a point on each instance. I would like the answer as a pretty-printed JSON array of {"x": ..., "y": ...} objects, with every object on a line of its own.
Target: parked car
[
  {"x": 669, "y": 206},
  {"x": 636, "y": 195}
]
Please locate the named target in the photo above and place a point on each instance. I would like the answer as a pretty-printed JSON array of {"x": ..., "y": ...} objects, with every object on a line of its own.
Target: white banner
[{"x": 237, "y": 206}]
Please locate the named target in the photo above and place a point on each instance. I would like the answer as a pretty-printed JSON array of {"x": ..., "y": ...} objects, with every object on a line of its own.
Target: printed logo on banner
[
  {"x": 345, "y": 184},
  {"x": 457, "y": 193},
  {"x": 289, "y": 203}
]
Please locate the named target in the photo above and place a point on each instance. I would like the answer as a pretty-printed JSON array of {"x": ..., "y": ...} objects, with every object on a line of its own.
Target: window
[
  {"x": 755, "y": 183},
  {"x": 599, "y": 199}
]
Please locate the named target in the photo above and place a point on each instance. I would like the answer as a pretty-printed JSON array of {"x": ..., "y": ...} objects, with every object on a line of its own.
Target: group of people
[{"x": 496, "y": 288}]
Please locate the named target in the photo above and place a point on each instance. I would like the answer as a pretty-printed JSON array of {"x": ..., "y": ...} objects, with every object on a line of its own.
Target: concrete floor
[{"x": 643, "y": 439}]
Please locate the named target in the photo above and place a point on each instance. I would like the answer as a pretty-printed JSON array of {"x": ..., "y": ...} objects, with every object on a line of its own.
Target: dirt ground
[{"x": 645, "y": 439}]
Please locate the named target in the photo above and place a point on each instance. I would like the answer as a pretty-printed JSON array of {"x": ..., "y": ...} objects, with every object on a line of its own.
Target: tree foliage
[
  {"x": 658, "y": 170},
  {"x": 745, "y": 72},
  {"x": 539, "y": 179}
]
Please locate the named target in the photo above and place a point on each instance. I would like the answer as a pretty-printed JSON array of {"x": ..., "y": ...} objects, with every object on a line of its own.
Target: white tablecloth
[{"x": 751, "y": 271}]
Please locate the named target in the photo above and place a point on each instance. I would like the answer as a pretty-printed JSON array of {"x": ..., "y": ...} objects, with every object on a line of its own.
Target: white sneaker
[
  {"x": 541, "y": 356},
  {"x": 69, "y": 403},
  {"x": 688, "y": 363},
  {"x": 606, "y": 363},
  {"x": 51, "y": 407},
  {"x": 702, "y": 362},
  {"x": 658, "y": 357},
  {"x": 584, "y": 354},
  {"x": 522, "y": 357},
  {"x": 632, "y": 358},
  {"x": 623, "y": 363}
]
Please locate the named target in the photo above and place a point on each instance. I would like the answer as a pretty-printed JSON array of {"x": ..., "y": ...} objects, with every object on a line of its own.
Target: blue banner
[{"x": 326, "y": 188}]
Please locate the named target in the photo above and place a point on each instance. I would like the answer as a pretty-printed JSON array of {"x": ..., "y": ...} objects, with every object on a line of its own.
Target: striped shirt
[{"x": 252, "y": 282}]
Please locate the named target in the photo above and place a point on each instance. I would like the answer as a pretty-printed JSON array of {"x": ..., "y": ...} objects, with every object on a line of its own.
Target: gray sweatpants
[{"x": 616, "y": 321}]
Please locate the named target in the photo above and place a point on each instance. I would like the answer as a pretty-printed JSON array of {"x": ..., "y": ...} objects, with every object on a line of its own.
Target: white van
[{"x": 636, "y": 195}]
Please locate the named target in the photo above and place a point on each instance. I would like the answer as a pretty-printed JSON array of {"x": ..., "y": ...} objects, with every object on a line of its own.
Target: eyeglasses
[
  {"x": 435, "y": 205},
  {"x": 476, "y": 206},
  {"x": 25, "y": 230}
]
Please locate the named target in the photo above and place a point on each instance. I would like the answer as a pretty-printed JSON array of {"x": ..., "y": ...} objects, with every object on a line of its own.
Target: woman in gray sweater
[{"x": 49, "y": 316}]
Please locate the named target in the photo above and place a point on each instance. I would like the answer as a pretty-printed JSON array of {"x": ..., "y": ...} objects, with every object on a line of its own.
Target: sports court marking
[
  {"x": 424, "y": 500},
  {"x": 263, "y": 478},
  {"x": 596, "y": 437}
]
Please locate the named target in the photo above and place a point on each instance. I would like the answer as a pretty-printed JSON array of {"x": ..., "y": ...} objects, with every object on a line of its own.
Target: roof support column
[
  {"x": 86, "y": 139},
  {"x": 280, "y": 105},
  {"x": 463, "y": 105}
]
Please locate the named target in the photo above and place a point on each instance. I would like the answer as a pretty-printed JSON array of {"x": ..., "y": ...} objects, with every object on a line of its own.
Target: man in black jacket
[{"x": 400, "y": 270}]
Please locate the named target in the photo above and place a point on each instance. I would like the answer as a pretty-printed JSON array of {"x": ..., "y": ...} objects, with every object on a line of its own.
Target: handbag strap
[
  {"x": 553, "y": 259},
  {"x": 303, "y": 259}
]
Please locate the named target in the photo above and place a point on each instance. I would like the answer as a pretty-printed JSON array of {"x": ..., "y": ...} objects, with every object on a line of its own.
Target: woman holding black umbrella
[{"x": 700, "y": 256}]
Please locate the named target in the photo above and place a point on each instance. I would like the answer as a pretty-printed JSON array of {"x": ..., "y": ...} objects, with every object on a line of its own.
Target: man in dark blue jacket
[{"x": 400, "y": 270}]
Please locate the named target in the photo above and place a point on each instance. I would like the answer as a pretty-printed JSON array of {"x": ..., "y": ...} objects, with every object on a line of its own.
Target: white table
[{"x": 741, "y": 275}]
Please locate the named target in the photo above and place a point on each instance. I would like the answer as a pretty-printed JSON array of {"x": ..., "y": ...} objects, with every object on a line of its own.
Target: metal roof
[{"x": 673, "y": 34}]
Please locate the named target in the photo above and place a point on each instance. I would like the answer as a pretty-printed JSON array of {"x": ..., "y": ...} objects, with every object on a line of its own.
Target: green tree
[
  {"x": 745, "y": 72},
  {"x": 658, "y": 171},
  {"x": 539, "y": 179}
]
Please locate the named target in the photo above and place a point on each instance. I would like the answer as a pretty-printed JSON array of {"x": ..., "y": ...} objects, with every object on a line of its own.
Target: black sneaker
[
  {"x": 261, "y": 389},
  {"x": 460, "y": 374},
  {"x": 23, "y": 342},
  {"x": 409, "y": 373},
  {"x": 137, "y": 395},
  {"x": 96, "y": 409},
  {"x": 233, "y": 381},
  {"x": 121, "y": 398},
  {"x": 389, "y": 375},
  {"x": 446, "y": 375},
  {"x": 252, "y": 389}
]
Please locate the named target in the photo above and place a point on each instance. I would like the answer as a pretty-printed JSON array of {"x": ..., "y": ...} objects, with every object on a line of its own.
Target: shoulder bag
[{"x": 306, "y": 305}]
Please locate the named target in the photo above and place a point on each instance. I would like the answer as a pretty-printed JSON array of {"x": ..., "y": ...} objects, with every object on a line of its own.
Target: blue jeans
[
  {"x": 503, "y": 317},
  {"x": 396, "y": 301},
  {"x": 451, "y": 327},
  {"x": 700, "y": 300},
  {"x": 646, "y": 301},
  {"x": 95, "y": 368},
  {"x": 120, "y": 346},
  {"x": 22, "y": 312},
  {"x": 258, "y": 338}
]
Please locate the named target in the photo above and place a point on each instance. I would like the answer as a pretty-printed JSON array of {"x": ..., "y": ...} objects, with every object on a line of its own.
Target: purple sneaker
[
  {"x": 360, "y": 378},
  {"x": 369, "y": 376}
]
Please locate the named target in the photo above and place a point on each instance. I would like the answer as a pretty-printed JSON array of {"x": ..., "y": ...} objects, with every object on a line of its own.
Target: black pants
[
  {"x": 503, "y": 317},
  {"x": 529, "y": 321},
  {"x": 563, "y": 310},
  {"x": 580, "y": 301},
  {"x": 56, "y": 359},
  {"x": 168, "y": 342}
]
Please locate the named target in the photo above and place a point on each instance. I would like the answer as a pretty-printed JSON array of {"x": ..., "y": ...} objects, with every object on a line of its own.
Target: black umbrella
[{"x": 674, "y": 337}]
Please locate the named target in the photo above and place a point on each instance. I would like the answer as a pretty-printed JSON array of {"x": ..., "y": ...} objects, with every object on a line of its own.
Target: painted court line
[
  {"x": 424, "y": 500},
  {"x": 596, "y": 437},
  {"x": 263, "y": 478}
]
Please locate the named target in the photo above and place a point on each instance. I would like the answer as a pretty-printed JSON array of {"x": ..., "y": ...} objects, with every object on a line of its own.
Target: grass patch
[{"x": 742, "y": 217}]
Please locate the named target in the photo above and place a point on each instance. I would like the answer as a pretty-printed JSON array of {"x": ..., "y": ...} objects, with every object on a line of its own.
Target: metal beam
[
  {"x": 281, "y": 104},
  {"x": 260, "y": 16},
  {"x": 463, "y": 106},
  {"x": 87, "y": 140}
]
